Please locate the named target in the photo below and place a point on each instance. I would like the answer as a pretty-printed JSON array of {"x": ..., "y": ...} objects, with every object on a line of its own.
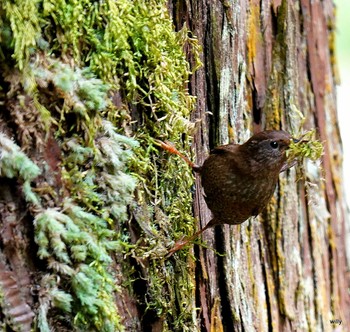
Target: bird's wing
[
  {"x": 228, "y": 148},
  {"x": 233, "y": 157}
]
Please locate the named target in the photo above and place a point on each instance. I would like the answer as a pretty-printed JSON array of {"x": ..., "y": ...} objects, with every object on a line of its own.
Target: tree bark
[
  {"x": 285, "y": 270},
  {"x": 90, "y": 205}
]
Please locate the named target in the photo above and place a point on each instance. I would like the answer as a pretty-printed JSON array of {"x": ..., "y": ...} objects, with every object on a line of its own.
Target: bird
[{"x": 239, "y": 179}]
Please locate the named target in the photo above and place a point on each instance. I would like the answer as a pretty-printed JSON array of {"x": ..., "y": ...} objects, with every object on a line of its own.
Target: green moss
[
  {"x": 15, "y": 164},
  {"x": 74, "y": 57},
  {"x": 306, "y": 147},
  {"x": 24, "y": 20}
]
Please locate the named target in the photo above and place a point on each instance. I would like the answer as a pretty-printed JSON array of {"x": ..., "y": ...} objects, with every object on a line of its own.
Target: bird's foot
[
  {"x": 167, "y": 146},
  {"x": 177, "y": 246}
]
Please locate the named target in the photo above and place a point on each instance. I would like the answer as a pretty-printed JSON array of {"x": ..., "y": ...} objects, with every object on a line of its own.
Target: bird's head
[{"x": 267, "y": 149}]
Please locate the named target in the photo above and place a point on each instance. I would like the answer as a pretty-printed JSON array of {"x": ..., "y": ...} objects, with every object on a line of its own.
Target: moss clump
[
  {"x": 15, "y": 164},
  {"x": 76, "y": 245},
  {"x": 307, "y": 147},
  {"x": 21, "y": 19}
]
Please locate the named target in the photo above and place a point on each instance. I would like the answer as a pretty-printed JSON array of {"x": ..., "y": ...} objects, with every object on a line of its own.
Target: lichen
[{"x": 254, "y": 33}]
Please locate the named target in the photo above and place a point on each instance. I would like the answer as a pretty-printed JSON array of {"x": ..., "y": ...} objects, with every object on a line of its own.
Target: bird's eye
[{"x": 274, "y": 144}]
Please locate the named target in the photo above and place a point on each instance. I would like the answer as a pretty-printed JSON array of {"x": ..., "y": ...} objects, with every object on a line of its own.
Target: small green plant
[{"x": 307, "y": 147}]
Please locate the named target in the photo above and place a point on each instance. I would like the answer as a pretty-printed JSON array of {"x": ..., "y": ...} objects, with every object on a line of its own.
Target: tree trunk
[
  {"x": 90, "y": 205},
  {"x": 285, "y": 270}
]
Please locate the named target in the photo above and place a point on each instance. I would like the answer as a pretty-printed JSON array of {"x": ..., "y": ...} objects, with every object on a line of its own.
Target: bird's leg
[
  {"x": 181, "y": 243},
  {"x": 170, "y": 148}
]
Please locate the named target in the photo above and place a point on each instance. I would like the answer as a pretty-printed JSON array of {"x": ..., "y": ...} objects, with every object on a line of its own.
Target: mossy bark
[{"x": 89, "y": 204}]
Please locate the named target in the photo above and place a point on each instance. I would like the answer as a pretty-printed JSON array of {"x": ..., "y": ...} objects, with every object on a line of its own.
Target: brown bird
[{"x": 239, "y": 180}]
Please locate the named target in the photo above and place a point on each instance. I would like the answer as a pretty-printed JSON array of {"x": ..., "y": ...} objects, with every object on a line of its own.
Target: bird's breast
[{"x": 232, "y": 195}]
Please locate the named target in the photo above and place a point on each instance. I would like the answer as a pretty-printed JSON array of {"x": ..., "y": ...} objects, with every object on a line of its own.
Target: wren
[{"x": 239, "y": 180}]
